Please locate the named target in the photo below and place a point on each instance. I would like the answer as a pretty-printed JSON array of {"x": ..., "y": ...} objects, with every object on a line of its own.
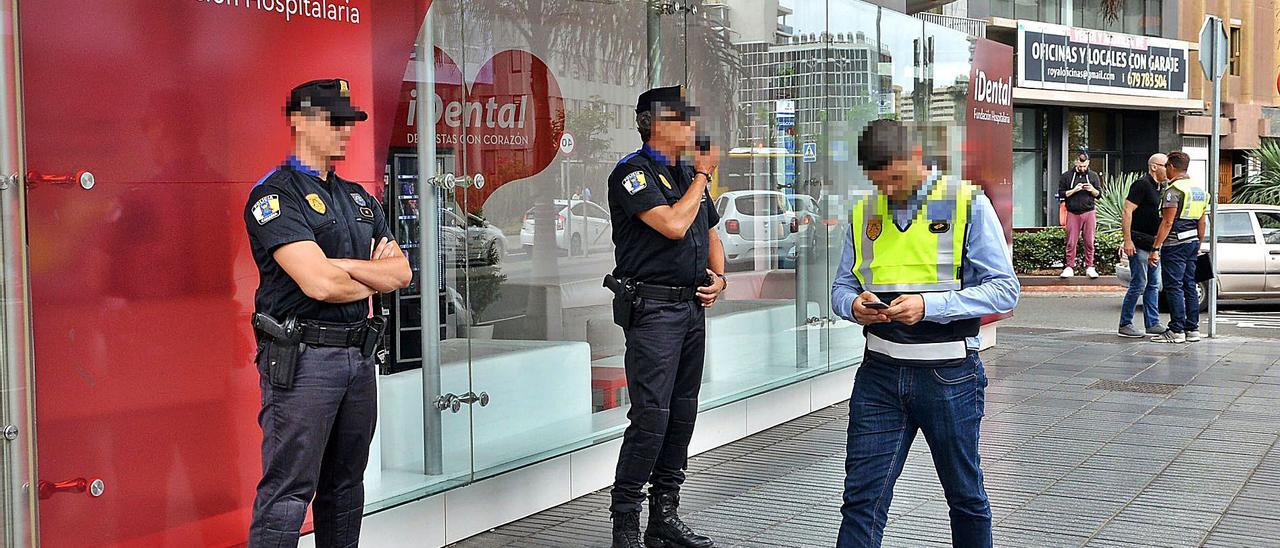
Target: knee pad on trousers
[
  {"x": 680, "y": 427},
  {"x": 652, "y": 420}
]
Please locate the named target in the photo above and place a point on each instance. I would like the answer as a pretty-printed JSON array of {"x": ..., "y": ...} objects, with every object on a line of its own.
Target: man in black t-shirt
[
  {"x": 1080, "y": 188},
  {"x": 1139, "y": 223},
  {"x": 323, "y": 247}
]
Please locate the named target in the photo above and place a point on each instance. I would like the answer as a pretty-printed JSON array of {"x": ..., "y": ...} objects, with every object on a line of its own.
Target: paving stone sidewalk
[{"x": 1068, "y": 462}]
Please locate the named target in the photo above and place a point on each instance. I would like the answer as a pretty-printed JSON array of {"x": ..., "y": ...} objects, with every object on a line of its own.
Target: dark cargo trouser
[
  {"x": 666, "y": 345},
  {"x": 315, "y": 442}
]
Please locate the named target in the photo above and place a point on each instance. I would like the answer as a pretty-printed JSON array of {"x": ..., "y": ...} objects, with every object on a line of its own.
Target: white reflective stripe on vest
[
  {"x": 1188, "y": 234},
  {"x": 954, "y": 350},
  {"x": 954, "y": 285}
]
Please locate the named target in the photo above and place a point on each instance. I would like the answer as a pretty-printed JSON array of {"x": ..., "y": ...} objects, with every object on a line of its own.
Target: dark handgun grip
[
  {"x": 613, "y": 284},
  {"x": 270, "y": 326}
]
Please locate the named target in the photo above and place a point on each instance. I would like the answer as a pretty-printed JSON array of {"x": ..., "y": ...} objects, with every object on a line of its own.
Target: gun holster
[
  {"x": 373, "y": 335},
  {"x": 283, "y": 346},
  {"x": 624, "y": 299}
]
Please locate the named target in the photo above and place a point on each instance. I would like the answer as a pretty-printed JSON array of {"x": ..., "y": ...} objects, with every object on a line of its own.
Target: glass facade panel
[
  {"x": 493, "y": 129},
  {"x": 1141, "y": 17}
]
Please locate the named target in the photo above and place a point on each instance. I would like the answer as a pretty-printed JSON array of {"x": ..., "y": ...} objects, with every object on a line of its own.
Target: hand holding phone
[{"x": 875, "y": 305}]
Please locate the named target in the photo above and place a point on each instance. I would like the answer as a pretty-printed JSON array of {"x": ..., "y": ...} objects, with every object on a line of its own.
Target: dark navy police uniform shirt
[
  {"x": 293, "y": 204},
  {"x": 641, "y": 181}
]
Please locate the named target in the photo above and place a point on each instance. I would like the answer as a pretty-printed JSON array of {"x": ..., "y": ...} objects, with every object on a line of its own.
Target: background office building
[{"x": 1123, "y": 85}]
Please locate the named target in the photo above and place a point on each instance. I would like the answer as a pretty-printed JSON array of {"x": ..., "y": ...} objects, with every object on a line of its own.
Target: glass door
[
  {"x": 16, "y": 459},
  {"x": 425, "y": 393}
]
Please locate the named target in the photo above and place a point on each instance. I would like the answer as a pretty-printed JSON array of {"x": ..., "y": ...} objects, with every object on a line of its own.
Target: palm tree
[
  {"x": 1262, "y": 186},
  {"x": 1111, "y": 10}
]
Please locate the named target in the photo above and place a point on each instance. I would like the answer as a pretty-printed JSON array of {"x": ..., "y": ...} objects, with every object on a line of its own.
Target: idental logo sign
[
  {"x": 503, "y": 123},
  {"x": 329, "y": 10},
  {"x": 997, "y": 92}
]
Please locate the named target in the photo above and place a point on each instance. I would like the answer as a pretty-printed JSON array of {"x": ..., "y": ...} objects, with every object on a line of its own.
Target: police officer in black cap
[
  {"x": 323, "y": 247},
  {"x": 670, "y": 269}
]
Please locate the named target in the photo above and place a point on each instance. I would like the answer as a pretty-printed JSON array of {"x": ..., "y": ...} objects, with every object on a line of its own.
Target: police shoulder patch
[
  {"x": 635, "y": 182},
  {"x": 358, "y": 199},
  {"x": 266, "y": 208}
]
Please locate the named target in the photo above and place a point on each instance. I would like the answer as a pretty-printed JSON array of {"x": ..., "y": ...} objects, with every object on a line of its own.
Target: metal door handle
[
  {"x": 94, "y": 487},
  {"x": 1275, "y": 251},
  {"x": 85, "y": 178},
  {"x": 471, "y": 397},
  {"x": 449, "y": 402}
]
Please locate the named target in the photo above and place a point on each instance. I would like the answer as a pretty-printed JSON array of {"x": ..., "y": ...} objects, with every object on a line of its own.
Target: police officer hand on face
[
  {"x": 670, "y": 266},
  {"x": 925, "y": 259},
  {"x": 323, "y": 247}
]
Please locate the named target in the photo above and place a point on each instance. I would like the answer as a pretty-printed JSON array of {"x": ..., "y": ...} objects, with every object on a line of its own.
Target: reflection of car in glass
[
  {"x": 1248, "y": 254},
  {"x": 754, "y": 223},
  {"x": 483, "y": 242},
  {"x": 583, "y": 226}
]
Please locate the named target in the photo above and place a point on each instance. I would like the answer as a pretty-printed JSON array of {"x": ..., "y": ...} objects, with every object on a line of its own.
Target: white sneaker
[
  {"x": 1169, "y": 337},
  {"x": 1068, "y": 272},
  {"x": 1091, "y": 272},
  {"x": 1193, "y": 335}
]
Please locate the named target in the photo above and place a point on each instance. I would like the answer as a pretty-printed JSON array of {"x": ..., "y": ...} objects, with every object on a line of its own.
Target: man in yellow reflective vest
[
  {"x": 924, "y": 261},
  {"x": 1182, "y": 228}
]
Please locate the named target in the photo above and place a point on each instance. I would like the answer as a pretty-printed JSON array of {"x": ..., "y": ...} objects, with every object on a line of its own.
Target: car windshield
[{"x": 760, "y": 205}]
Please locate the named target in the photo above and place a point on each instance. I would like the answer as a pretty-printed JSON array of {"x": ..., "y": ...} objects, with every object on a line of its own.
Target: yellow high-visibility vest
[
  {"x": 1195, "y": 199},
  {"x": 927, "y": 256}
]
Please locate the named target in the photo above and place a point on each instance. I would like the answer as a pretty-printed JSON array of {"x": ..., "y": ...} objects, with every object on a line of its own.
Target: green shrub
[
  {"x": 1044, "y": 251},
  {"x": 1111, "y": 203}
]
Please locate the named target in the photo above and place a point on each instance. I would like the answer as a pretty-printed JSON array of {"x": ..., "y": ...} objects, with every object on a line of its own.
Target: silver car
[
  {"x": 1248, "y": 254},
  {"x": 756, "y": 224}
]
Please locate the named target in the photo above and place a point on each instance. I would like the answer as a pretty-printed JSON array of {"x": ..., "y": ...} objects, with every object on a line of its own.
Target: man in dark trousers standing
[
  {"x": 1139, "y": 223},
  {"x": 1182, "y": 227},
  {"x": 670, "y": 269},
  {"x": 1080, "y": 188},
  {"x": 323, "y": 247}
]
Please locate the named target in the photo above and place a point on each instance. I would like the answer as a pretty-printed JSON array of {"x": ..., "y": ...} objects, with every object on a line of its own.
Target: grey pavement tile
[{"x": 1012, "y": 536}]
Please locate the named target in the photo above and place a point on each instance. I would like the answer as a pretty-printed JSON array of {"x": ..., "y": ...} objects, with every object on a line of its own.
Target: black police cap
[
  {"x": 333, "y": 96},
  {"x": 672, "y": 97}
]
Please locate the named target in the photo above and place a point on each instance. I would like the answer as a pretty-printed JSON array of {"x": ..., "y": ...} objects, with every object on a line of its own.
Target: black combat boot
[
  {"x": 626, "y": 530},
  {"x": 666, "y": 530}
]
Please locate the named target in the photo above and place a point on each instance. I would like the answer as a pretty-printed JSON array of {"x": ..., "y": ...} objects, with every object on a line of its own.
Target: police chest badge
[
  {"x": 266, "y": 208},
  {"x": 358, "y": 199},
  {"x": 635, "y": 182},
  {"x": 316, "y": 203},
  {"x": 874, "y": 227},
  {"x": 939, "y": 227}
]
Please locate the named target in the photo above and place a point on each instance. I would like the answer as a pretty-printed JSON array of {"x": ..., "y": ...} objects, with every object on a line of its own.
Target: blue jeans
[
  {"x": 889, "y": 404},
  {"x": 1145, "y": 283},
  {"x": 1180, "y": 288}
]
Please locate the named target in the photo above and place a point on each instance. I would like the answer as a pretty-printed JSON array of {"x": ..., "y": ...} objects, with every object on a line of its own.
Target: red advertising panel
[
  {"x": 142, "y": 287},
  {"x": 989, "y": 127}
]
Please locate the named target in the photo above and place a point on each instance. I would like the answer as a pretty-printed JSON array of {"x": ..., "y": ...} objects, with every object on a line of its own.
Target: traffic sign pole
[{"x": 1213, "y": 59}]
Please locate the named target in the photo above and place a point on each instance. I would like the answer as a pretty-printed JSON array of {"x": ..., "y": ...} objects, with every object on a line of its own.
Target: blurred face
[
  {"x": 1158, "y": 167},
  {"x": 1082, "y": 166},
  {"x": 673, "y": 130},
  {"x": 901, "y": 178},
  {"x": 321, "y": 136}
]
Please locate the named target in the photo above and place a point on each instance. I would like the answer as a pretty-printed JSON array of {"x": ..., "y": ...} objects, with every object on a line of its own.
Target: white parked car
[
  {"x": 484, "y": 243},
  {"x": 754, "y": 223},
  {"x": 1248, "y": 254},
  {"x": 580, "y": 225}
]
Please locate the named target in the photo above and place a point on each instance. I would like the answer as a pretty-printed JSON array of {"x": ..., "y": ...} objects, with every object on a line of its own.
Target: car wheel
[
  {"x": 575, "y": 245},
  {"x": 1203, "y": 289}
]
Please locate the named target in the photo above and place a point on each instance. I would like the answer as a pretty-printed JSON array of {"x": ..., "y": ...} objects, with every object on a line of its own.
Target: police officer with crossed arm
[
  {"x": 323, "y": 247},
  {"x": 670, "y": 269}
]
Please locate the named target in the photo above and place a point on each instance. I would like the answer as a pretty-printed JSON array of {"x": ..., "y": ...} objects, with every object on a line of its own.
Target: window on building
[
  {"x": 1235, "y": 40},
  {"x": 1141, "y": 17},
  {"x": 1047, "y": 11}
]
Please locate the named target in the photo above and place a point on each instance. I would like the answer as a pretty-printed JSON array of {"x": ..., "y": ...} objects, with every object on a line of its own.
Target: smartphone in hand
[
  {"x": 703, "y": 143},
  {"x": 875, "y": 305}
]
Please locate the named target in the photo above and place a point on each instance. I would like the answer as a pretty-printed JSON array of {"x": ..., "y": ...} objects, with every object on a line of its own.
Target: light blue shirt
[{"x": 988, "y": 283}]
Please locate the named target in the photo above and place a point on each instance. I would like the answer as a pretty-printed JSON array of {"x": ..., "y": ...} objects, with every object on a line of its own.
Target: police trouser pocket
[{"x": 282, "y": 363}]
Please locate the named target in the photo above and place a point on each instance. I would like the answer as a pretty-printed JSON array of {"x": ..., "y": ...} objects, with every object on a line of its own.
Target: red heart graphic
[{"x": 505, "y": 125}]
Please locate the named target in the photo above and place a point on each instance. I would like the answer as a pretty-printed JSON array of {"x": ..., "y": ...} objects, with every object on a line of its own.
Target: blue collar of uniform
[
  {"x": 297, "y": 165},
  {"x": 657, "y": 156}
]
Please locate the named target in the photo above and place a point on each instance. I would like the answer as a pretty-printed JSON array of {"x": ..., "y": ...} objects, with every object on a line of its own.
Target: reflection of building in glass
[
  {"x": 945, "y": 104},
  {"x": 819, "y": 72}
]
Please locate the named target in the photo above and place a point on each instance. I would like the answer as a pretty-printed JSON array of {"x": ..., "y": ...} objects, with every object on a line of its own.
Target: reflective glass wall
[{"x": 519, "y": 117}]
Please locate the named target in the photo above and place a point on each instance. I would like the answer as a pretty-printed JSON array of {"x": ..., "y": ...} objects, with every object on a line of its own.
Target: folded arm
[
  {"x": 319, "y": 279},
  {"x": 387, "y": 270}
]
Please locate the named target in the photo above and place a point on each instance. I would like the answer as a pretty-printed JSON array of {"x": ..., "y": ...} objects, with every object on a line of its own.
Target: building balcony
[{"x": 972, "y": 27}]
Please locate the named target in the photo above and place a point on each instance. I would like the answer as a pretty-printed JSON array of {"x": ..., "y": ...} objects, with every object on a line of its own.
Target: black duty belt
[
  {"x": 316, "y": 333},
  {"x": 666, "y": 293}
]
